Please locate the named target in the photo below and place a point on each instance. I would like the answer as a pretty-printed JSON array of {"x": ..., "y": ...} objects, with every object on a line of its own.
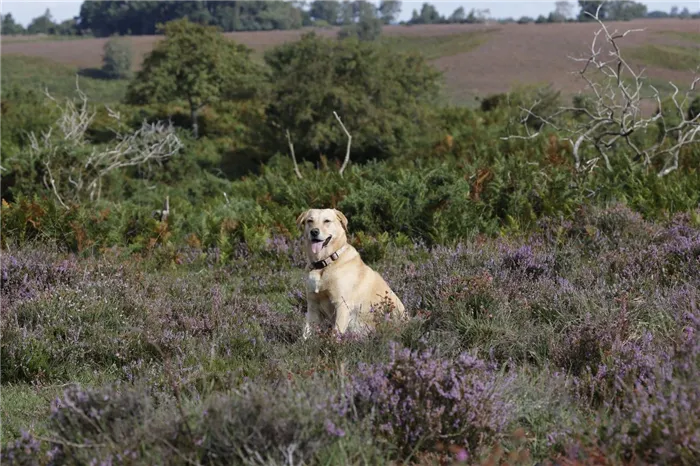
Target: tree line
[{"x": 107, "y": 18}]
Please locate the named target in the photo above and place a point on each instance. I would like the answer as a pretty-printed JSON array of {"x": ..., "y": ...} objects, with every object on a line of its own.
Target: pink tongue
[{"x": 316, "y": 247}]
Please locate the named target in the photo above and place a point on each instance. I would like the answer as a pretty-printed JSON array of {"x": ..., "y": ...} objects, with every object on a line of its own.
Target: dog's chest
[{"x": 314, "y": 281}]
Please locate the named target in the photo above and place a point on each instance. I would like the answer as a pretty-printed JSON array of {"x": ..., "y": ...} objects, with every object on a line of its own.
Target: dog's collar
[{"x": 322, "y": 264}]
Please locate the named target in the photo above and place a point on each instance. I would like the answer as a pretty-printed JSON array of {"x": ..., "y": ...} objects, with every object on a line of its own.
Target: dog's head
[{"x": 325, "y": 231}]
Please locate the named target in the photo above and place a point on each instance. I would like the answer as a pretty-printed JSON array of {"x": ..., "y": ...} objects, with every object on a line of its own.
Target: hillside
[{"x": 476, "y": 59}]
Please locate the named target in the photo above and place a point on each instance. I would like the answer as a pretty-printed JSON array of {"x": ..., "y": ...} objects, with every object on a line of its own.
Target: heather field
[
  {"x": 572, "y": 344},
  {"x": 545, "y": 243}
]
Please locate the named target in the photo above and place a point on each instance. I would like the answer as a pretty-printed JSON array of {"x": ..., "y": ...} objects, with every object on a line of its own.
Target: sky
[{"x": 25, "y": 10}]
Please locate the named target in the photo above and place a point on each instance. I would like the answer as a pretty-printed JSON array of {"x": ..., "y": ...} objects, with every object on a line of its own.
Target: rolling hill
[{"x": 477, "y": 60}]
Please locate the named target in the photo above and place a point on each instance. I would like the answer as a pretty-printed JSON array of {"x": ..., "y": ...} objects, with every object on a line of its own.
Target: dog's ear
[
  {"x": 343, "y": 220},
  {"x": 301, "y": 219}
]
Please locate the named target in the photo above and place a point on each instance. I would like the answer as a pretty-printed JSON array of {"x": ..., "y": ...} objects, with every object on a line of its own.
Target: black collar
[{"x": 322, "y": 264}]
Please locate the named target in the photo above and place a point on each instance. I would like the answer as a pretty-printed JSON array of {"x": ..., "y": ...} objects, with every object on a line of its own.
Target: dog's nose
[{"x": 315, "y": 232}]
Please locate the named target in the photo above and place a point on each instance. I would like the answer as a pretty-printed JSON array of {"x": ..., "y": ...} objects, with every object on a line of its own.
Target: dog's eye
[
  {"x": 326, "y": 221},
  {"x": 309, "y": 221}
]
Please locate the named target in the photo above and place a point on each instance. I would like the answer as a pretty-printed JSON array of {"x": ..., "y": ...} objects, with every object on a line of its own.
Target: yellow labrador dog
[{"x": 340, "y": 288}]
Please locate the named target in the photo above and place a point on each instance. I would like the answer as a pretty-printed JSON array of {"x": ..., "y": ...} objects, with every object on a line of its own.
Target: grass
[
  {"x": 59, "y": 79},
  {"x": 434, "y": 47},
  {"x": 685, "y": 35},
  {"x": 666, "y": 56},
  {"x": 24, "y": 408},
  {"x": 41, "y": 38}
]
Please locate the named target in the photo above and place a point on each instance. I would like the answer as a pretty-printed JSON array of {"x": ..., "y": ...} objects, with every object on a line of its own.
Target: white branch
[
  {"x": 152, "y": 142},
  {"x": 617, "y": 113},
  {"x": 347, "y": 152},
  {"x": 294, "y": 157}
]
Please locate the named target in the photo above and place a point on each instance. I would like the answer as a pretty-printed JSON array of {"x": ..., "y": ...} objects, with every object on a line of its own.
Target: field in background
[{"x": 477, "y": 59}]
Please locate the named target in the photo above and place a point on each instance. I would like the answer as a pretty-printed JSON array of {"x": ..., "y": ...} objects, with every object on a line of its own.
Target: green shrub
[
  {"x": 116, "y": 61},
  {"x": 381, "y": 97}
]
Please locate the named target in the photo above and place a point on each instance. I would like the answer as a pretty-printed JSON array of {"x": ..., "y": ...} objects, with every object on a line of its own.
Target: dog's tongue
[{"x": 316, "y": 247}]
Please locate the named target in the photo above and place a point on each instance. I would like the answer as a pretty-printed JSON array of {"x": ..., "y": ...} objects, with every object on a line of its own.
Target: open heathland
[{"x": 545, "y": 244}]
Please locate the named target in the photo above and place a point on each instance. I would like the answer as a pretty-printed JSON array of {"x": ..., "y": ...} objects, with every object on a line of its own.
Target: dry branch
[
  {"x": 616, "y": 114},
  {"x": 294, "y": 157},
  {"x": 79, "y": 170},
  {"x": 347, "y": 152}
]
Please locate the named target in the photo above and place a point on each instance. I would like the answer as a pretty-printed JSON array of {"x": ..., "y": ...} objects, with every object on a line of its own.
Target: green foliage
[
  {"x": 23, "y": 112},
  {"x": 361, "y": 21},
  {"x": 428, "y": 15},
  {"x": 196, "y": 64},
  {"x": 43, "y": 24},
  {"x": 9, "y": 27},
  {"x": 389, "y": 10},
  {"x": 694, "y": 108},
  {"x": 116, "y": 62},
  {"x": 589, "y": 7},
  {"x": 325, "y": 10},
  {"x": 379, "y": 95},
  {"x": 625, "y": 11},
  {"x": 104, "y": 19},
  {"x": 614, "y": 10}
]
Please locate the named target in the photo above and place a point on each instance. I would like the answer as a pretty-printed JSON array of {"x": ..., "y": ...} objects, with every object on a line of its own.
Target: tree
[
  {"x": 42, "y": 25},
  {"x": 364, "y": 25},
  {"x": 106, "y": 18},
  {"x": 674, "y": 11},
  {"x": 428, "y": 15},
  {"x": 389, "y": 10},
  {"x": 380, "y": 94},
  {"x": 685, "y": 13},
  {"x": 116, "y": 61},
  {"x": 9, "y": 27},
  {"x": 68, "y": 27},
  {"x": 195, "y": 63},
  {"x": 564, "y": 9},
  {"x": 325, "y": 10},
  {"x": 626, "y": 10},
  {"x": 458, "y": 16},
  {"x": 589, "y": 7}
]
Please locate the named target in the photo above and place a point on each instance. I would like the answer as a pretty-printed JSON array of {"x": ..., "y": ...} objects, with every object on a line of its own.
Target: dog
[{"x": 341, "y": 290}]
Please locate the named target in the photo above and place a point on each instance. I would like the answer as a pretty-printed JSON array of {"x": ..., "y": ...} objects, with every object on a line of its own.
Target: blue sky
[{"x": 25, "y": 10}]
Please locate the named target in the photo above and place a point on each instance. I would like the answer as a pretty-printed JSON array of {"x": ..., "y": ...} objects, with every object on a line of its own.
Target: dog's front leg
[
  {"x": 313, "y": 317},
  {"x": 342, "y": 316}
]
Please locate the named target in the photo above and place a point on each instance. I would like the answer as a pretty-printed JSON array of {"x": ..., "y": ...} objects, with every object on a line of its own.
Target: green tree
[
  {"x": 42, "y": 25},
  {"x": 106, "y": 18},
  {"x": 458, "y": 16},
  {"x": 389, "y": 10},
  {"x": 365, "y": 24},
  {"x": 380, "y": 95},
  {"x": 325, "y": 10},
  {"x": 9, "y": 27},
  {"x": 195, "y": 63},
  {"x": 562, "y": 12},
  {"x": 68, "y": 27},
  {"x": 116, "y": 60},
  {"x": 428, "y": 15},
  {"x": 590, "y": 7},
  {"x": 626, "y": 10}
]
